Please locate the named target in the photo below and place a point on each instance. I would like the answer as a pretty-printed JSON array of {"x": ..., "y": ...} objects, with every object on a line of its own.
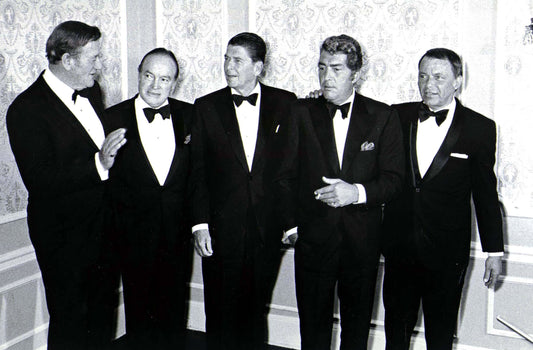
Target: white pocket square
[
  {"x": 367, "y": 146},
  {"x": 277, "y": 129},
  {"x": 459, "y": 155},
  {"x": 187, "y": 139}
]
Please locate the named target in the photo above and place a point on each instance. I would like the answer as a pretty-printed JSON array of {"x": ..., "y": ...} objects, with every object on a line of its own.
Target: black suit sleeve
[{"x": 484, "y": 191}]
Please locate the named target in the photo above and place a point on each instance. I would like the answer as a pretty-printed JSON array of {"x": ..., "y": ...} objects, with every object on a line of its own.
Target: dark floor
[{"x": 196, "y": 341}]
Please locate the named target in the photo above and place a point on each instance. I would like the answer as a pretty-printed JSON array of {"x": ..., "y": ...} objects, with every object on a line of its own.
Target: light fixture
[{"x": 528, "y": 35}]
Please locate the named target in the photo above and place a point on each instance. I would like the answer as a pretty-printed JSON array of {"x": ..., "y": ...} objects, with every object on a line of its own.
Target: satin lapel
[
  {"x": 450, "y": 140},
  {"x": 323, "y": 125},
  {"x": 266, "y": 119},
  {"x": 66, "y": 115},
  {"x": 134, "y": 142},
  {"x": 179, "y": 137},
  {"x": 414, "y": 171},
  {"x": 360, "y": 123},
  {"x": 228, "y": 118}
]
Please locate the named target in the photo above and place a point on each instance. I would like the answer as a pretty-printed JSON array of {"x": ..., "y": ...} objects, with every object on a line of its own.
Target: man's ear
[
  {"x": 67, "y": 60},
  {"x": 458, "y": 81},
  {"x": 258, "y": 68},
  {"x": 355, "y": 76}
]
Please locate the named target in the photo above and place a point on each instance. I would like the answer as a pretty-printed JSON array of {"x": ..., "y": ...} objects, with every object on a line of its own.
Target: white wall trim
[
  {"x": 4, "y": 219},
  {"x": 491, "y": 316},
  {"x": 25, "y": 336}
]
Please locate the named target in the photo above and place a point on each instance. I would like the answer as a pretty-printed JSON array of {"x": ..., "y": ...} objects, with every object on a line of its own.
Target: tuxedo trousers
[
  {"x": 237, "y": 290},
  {"x": 155, "y": 297},
  {"x": 81, "y": 301},
  {"x": 405, "y": 286},
  {"x": 315, "y": 293}
]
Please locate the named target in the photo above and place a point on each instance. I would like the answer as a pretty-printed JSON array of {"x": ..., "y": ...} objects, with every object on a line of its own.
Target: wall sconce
[{"x": 528, "y": 35}]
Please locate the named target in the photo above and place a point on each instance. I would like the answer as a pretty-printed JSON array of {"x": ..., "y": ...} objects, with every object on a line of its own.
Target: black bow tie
[
  {"x": 82, "y": 93},
  {"x": 151, "y": 112},
  {"x": 424, "y": 113},
  {"x": 332, "y": 108},
  {"x": 239, "y": 98}
]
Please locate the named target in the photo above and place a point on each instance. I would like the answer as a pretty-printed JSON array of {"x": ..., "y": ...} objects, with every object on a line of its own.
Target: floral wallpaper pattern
[
  {"x": 195, "y": 30},
  {"x": 24, "y": 29}
]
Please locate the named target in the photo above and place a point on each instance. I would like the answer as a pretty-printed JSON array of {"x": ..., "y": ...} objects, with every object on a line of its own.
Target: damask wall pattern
[
  {"x": 24, "y": 27},
  {"x": 393, "y": 34},
  {"x": 196, "y": 31}
]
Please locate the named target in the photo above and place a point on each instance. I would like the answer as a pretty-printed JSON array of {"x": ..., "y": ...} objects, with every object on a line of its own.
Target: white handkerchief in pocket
[{"x": 459, "y": 155}]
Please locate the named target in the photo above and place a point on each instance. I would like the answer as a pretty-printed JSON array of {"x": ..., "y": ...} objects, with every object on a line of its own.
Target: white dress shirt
[
  {"x": 84, "y": 113},
  {"x": 429, "y": 138},
  {"x": 157, "y": 139},
  {"x": 248, "y": 119}
]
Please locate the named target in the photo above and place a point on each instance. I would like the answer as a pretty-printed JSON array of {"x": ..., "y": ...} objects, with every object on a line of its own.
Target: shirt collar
[
  {"x": 141, "y": 104},
  {"x": 58, "y": 87},
  {"x": 256, "y": 90},
  {"x": 450, "y": 107}
]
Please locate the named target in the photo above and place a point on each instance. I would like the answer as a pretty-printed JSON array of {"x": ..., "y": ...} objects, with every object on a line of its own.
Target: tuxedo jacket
[
  {"x": 151, "y": 219},
  {"x": 56, "y": 159},
  {"x": 227, "y": 195},
  {"x": 430, "y": 222},
  {"x": 373, "y": 157}
]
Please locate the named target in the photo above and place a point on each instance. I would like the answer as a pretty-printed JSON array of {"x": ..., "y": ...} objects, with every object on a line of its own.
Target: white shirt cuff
[
  {"x": 495, "y": 254},
  {"x": 200, "y": 227},
  {"x": 286, "y": 234},
  {"x": 362, "y": 194},
  {"x": 104, "y": 174}
]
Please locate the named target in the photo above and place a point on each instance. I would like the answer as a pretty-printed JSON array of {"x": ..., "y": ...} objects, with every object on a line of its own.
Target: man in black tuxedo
[
  {"x": 341, "y": 159},
  {"x": 63, "y": 156},
  {"x": 235, "y": 231},
  {"x": 450, "y": 152},
  {"x": 149, "y": 192}
]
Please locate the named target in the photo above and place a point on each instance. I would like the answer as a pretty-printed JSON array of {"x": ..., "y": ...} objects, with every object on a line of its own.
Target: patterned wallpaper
[
  {"x": 24, "y": 28},
  {"x": 196, "y": 31},
  {"x": 393, "y": 34}
]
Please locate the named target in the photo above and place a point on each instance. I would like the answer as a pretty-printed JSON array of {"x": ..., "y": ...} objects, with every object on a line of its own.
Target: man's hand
[
  {"x": 314, "y": 94},
  {"x": 493, "y": 268},
  {"x": 338, "y": 193},
  {"x": 202, "y": 243},
  {"x": 112, "y": 143}
]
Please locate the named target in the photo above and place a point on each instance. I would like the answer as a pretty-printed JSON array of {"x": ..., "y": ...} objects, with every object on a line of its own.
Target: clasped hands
[{"x": 338, "y": 193}]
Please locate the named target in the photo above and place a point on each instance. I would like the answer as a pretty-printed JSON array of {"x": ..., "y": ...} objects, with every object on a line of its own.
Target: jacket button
[{"x": 417, "y": 190}]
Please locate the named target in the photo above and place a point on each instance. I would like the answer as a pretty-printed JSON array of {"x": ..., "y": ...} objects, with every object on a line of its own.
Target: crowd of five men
[{"x": 341, "y": 177}]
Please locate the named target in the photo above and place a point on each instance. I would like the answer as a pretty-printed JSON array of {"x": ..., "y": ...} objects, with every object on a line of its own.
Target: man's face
[
  {"x": 437, "y": 83},
  {"x": 86, "y": 65},
  {"x": 157, "y": 79},
  {"x": 240, "y": 71},
  {"x": 336, "y": 79}
]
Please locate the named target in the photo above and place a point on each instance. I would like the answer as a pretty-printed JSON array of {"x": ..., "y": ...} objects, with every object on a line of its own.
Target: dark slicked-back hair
[
  {"x": 68, "y": 37},
  {"x": 448, "y": 55},
  {"x": 163, "y": 52},
  {"x": 347, "y": 45},
  {"x": 253, "y": 43}
]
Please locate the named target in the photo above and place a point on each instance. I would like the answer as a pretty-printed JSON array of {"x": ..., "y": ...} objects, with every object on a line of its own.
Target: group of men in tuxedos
[{"x": 244, "y": 169}]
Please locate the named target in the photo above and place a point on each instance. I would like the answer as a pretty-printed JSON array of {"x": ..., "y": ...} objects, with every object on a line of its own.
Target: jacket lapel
[
  {"x": 360, "y": 123},
  {"x": 179, "y": 137},
  {"x": 266, "y": 120},
  {"x": 66, "y": 116},
  {"x": 450, "y": 140},
  {"x": 323, "y": 125},
  {"x": 228, "y": 118}
]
